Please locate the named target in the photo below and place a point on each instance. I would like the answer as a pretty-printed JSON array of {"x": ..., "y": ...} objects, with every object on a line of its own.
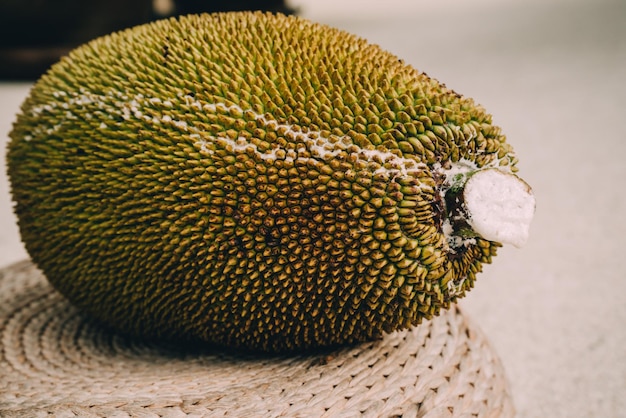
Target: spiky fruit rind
[{"x": 247, "y": 179}]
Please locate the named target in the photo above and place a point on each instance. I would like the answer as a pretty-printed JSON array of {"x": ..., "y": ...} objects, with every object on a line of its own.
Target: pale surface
[{"x": 554, "y": 78}]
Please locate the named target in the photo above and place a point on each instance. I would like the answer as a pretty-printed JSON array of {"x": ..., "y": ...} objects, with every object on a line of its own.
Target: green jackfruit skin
[{"x": 249, "y": 180}]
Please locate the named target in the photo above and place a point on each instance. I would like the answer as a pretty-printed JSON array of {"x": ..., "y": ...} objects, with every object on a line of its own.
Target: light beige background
[{"x": 553, "y": 74}]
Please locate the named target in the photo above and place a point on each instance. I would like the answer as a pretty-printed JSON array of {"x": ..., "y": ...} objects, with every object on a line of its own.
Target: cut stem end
[{"x": 500, "y": 206}]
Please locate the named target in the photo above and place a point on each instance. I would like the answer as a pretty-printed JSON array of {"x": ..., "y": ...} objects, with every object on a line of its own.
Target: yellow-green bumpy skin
[{"x": 249, "y": 180}]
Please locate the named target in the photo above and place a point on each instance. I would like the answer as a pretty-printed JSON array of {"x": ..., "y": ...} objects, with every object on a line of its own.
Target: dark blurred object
[
  {"x": 34, "y": 34},
  {"x": 184, "y": 7}
]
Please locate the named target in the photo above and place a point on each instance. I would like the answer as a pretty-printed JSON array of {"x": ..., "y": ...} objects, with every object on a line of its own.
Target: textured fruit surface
[{"x": 249, "y": 180}]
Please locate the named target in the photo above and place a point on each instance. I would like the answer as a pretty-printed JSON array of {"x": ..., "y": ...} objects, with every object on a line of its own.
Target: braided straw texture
[{"x": 56, "y": 362}]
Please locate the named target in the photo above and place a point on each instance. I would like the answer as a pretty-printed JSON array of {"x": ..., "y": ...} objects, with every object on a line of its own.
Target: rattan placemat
[{"x": 56, "y": 362}]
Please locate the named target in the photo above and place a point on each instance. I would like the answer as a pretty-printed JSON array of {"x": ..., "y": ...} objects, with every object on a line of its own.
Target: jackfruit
[{"x": 250, "y": 180}]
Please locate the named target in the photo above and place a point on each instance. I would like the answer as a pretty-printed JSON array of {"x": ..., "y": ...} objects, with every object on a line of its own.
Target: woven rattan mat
[{"x": 56, "y": 362}]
